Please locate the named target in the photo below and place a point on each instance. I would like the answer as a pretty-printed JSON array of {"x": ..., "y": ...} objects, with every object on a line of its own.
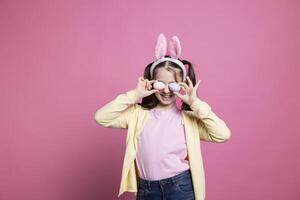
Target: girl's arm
[
  {"x": 211, "y": 127},
  {"x": 116, "y": 113}
]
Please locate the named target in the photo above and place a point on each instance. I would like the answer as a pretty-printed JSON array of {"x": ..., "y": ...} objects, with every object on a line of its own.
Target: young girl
[{"x": 163, "y": 156}]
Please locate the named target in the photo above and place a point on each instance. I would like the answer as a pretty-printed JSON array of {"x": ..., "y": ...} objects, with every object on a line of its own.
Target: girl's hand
[
  {"x": 144, "y": 87},
  {"x": 190, "y": 92}
]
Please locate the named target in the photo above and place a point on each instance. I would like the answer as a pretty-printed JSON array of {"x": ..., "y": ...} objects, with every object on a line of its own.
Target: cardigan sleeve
[
  {"x": 116, "y": 113},
  {"x": 211, "y": 128}
]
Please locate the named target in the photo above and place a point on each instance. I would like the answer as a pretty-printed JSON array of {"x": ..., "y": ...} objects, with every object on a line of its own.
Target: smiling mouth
[{"x": 166, "y": 96}]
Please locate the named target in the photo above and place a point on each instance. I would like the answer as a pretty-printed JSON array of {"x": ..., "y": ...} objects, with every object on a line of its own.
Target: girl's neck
[{"x": 163, "y": 107}]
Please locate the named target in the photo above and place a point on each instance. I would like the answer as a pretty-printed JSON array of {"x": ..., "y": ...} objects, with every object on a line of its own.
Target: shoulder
[{"x": 137, "y": 108}]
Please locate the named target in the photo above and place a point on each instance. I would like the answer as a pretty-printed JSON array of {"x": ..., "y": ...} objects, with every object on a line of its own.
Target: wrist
[
  {"x": 135, "y": 95},
  {"x": 193, "y": 101}
]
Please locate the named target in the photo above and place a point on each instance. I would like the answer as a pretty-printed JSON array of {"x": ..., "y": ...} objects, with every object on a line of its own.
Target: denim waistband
[{"x": 184, "y": 174}]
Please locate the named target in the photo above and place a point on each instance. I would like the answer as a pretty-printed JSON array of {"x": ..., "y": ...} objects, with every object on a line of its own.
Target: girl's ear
[
  {"x": 175, "y": 47},
  {"x": 161, "y": 46}
]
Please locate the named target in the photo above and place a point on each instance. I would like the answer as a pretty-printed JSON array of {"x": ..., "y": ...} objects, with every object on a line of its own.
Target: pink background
[{"x": 62, "y": 60}]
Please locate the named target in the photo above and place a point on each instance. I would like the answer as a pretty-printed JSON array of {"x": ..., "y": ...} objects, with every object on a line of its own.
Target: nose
[{"x": 166, "y": 89}]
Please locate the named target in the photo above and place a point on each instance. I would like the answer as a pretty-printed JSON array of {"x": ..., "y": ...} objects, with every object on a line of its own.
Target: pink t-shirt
[{"x": 161, "y": 145}]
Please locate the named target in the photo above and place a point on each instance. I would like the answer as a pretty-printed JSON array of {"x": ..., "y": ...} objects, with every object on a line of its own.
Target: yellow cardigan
[{"x": 199, "y": 124}]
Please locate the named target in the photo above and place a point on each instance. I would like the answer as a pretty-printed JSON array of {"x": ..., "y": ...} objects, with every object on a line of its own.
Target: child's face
[{"x": 165, "y": 96}]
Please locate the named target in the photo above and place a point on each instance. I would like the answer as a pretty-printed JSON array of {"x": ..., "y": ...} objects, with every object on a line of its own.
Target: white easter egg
[
  {"x": 159, "y": 85},
  {"x": 174, "y": 87}
]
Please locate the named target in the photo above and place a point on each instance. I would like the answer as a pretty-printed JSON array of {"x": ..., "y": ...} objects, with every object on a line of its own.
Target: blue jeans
[{"x": 178, "y": 187}]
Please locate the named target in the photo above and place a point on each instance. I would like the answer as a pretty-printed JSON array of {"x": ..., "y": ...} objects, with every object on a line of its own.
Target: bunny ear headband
[{"x": 161, "y": 50}]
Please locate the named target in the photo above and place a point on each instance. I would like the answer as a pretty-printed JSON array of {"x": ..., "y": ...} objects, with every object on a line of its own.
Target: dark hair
[{"x": 151, "y": 101}]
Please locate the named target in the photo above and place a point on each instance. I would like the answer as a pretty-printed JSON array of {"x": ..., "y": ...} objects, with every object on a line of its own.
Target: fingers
[
  {"x": 184, "y": 85},
  {"x": 179, "y": 95},
  {"x": 184, "y": 89},
  {"x": 189, "y": 81},
  {"x": 143, "y": 83},
  {"x": 197, "y": 84},
  {"x": 191, "y": 84},
  {"x": 141, "y": 78},
  {"x": 149, "y": 83},
  {"x": 148, "y": 86},
  {"x": 153, "y": 91},
  {"x": 152, "y": 81}
]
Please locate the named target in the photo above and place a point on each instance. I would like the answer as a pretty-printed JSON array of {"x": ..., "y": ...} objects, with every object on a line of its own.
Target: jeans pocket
[{"x": 184, "y": 185}]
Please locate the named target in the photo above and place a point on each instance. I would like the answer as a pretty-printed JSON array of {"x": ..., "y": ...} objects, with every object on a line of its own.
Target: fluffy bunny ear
[
  {"x": 161, "y": 46},
  {"x": 175, "y": 47}
]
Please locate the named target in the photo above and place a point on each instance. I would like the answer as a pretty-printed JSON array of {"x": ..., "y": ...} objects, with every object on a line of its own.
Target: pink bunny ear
[
  {"x": 175, "y": 47},
  {"x": 161, "y": 46}
]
